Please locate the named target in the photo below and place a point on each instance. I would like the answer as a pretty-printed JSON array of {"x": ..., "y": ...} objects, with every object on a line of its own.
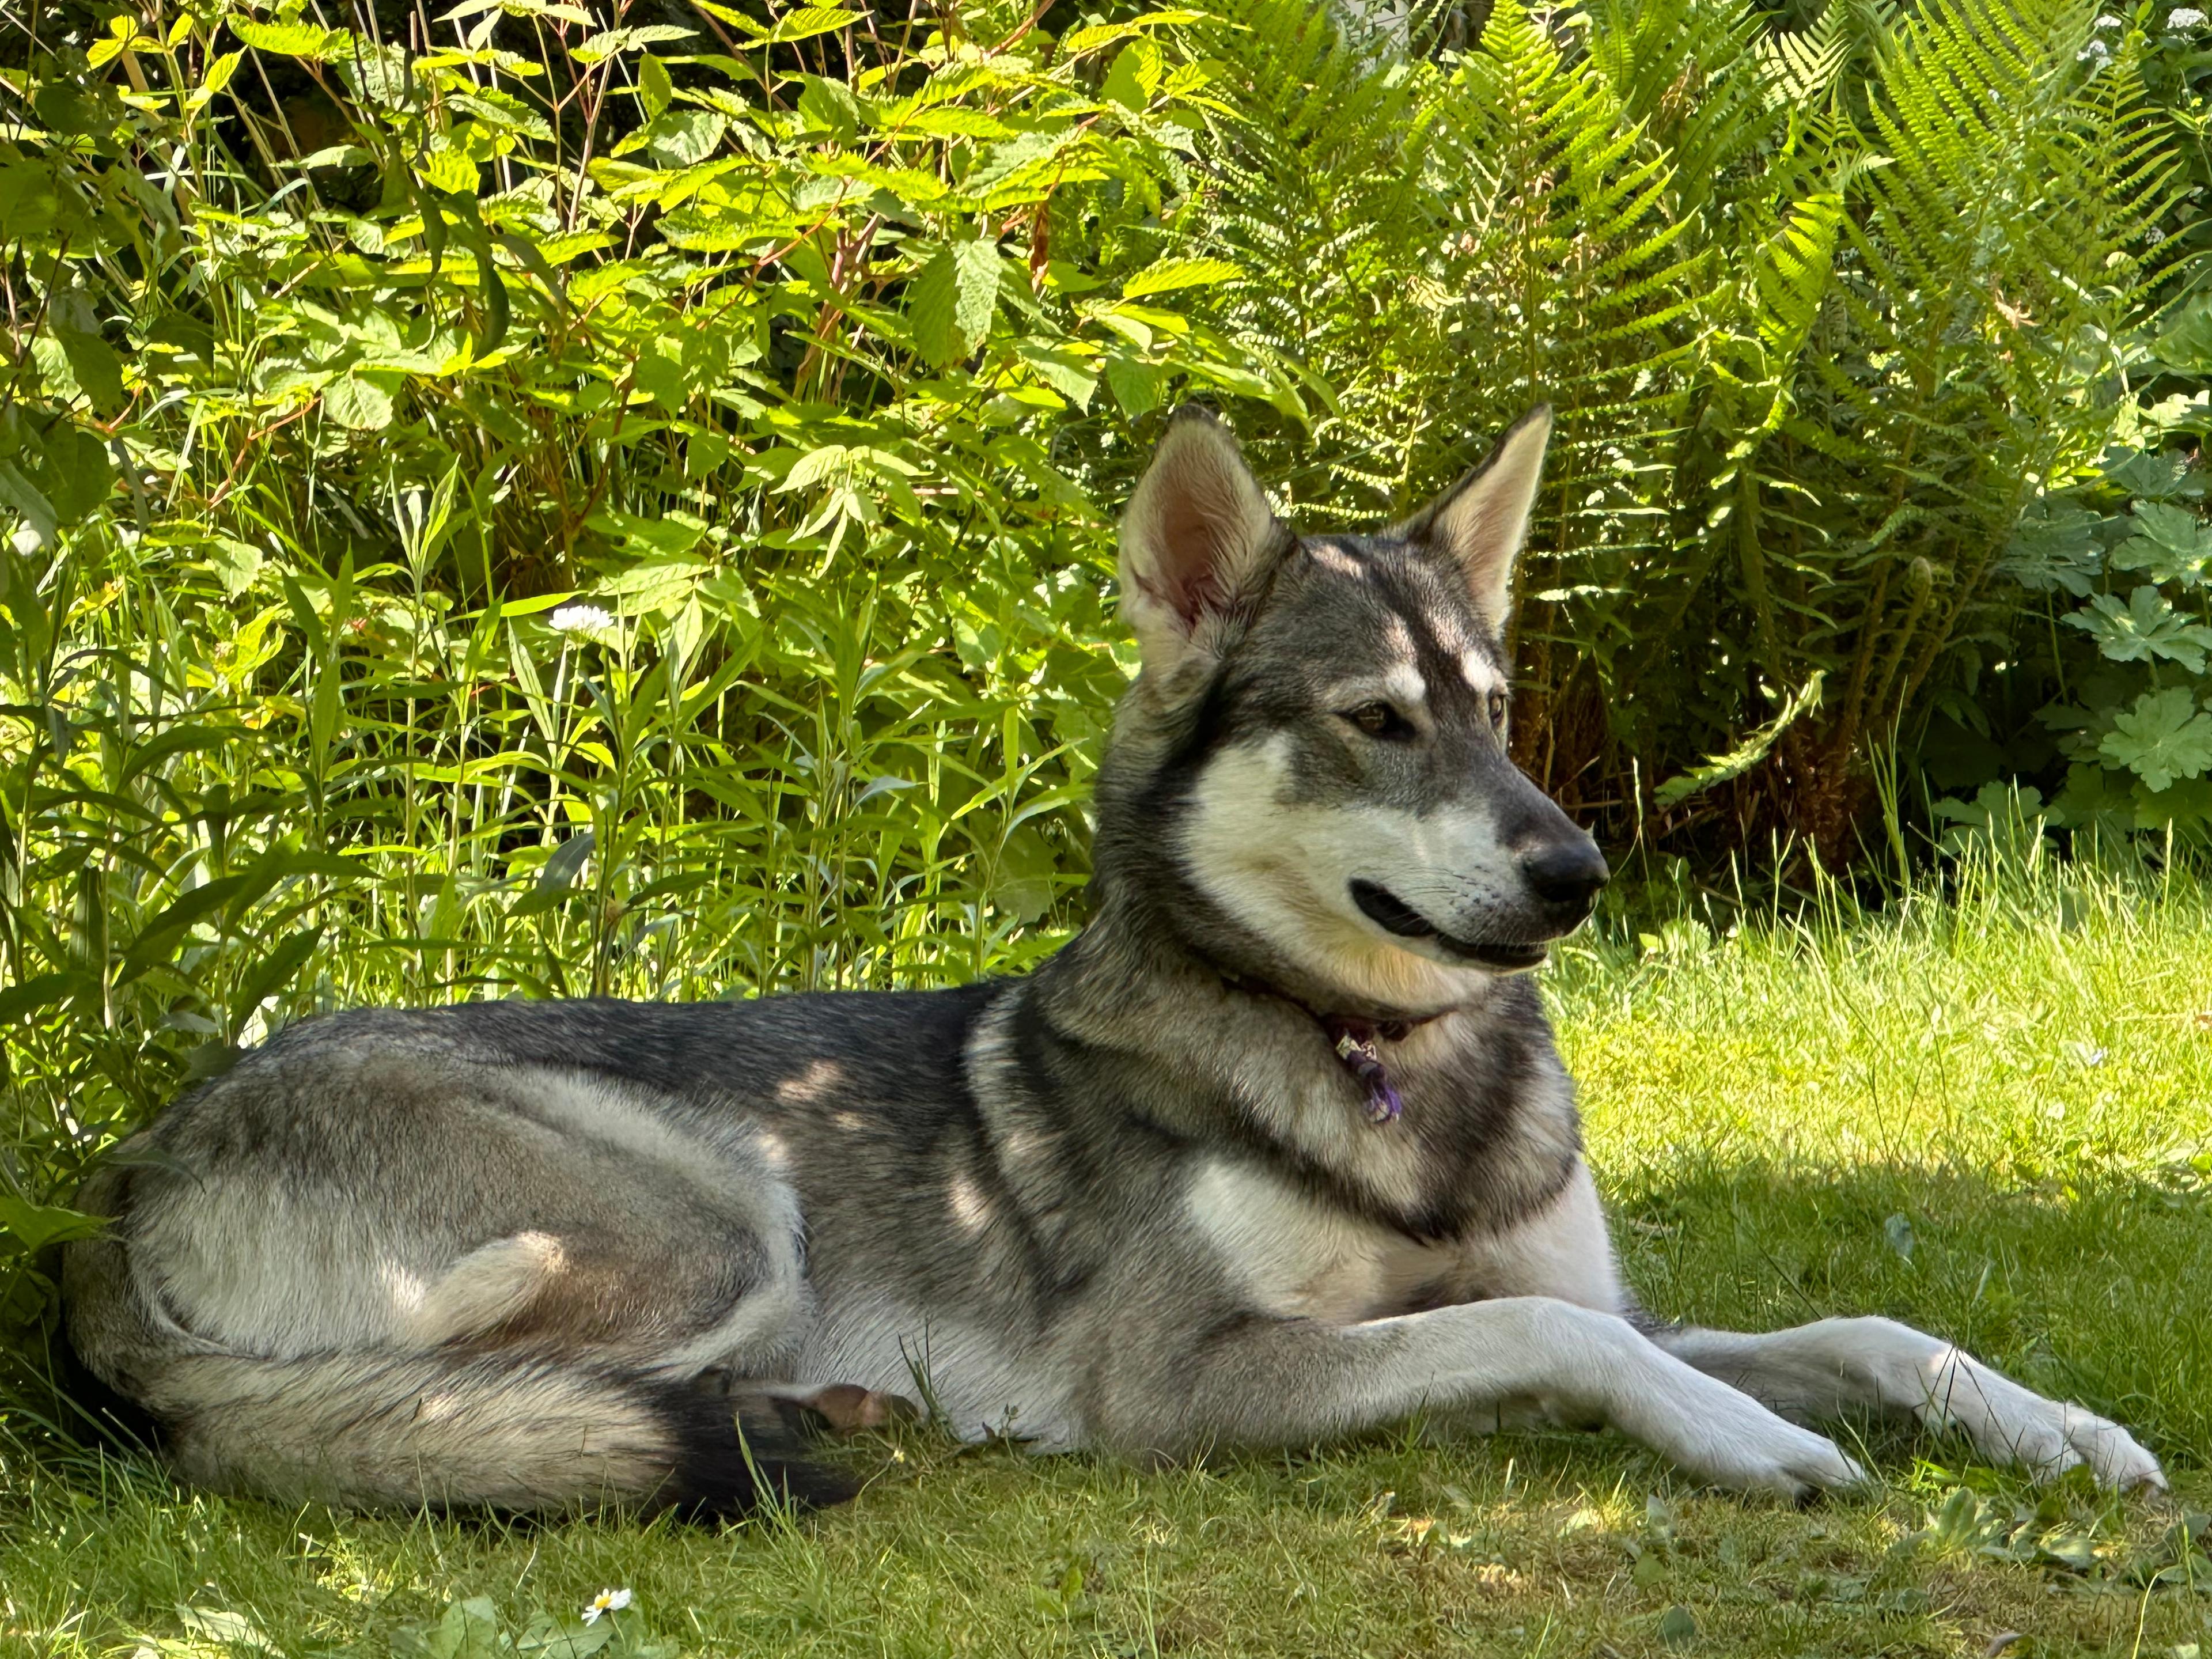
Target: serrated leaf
[
  {"x": 2170, "y": 545},
  {"x": 952, "y": 298},
  {"x": 2054, "y": 547},
  {"x": 809, "y": 22},
  {"x": 1171, "y": 274},
  {"x": 1074, "y": 378},
  {"x": 288, "y": 40},
  {"x": 2164, "y": 738},
  {"x": 358, "y": 402},
  {"x": 1136, "y": 385},
  {"x": 2143, "y": 629}
]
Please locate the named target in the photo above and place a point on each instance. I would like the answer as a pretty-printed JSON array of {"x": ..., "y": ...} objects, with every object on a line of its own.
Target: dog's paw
[
  {"x": 1720, "y": 1435},
  {"x": 2009, "y": 1424}
]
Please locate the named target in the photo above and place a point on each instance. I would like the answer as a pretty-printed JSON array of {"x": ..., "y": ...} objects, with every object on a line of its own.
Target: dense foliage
[{"x": 543, "y": 499}]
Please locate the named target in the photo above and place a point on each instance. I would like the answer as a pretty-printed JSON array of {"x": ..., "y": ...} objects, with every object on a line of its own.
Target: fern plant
[{"x": 1822, "y": 310}]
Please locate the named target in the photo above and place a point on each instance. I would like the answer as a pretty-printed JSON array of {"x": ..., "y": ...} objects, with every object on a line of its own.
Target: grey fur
[{"x": 530, "y": 1254}]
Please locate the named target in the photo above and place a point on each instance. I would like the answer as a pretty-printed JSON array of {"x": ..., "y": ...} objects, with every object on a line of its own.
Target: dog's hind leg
[{"x": 1840, "y": 1365}]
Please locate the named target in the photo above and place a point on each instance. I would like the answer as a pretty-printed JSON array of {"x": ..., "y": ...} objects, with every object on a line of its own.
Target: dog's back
[{"x": 483, "y": 1255}]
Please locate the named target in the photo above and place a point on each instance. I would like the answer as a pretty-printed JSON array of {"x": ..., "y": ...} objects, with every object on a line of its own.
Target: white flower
[
  {"x": 607, "y": 1601},
  {"x": 2183, "y": 17},
  {"x": 588, "y": 621},
  {"x": 2107, "y": 21},
  {"x": 2096, "y": 51}
]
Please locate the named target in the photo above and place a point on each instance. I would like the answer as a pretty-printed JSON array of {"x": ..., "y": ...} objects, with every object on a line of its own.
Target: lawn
[{"x": 1990, "y": 1116}]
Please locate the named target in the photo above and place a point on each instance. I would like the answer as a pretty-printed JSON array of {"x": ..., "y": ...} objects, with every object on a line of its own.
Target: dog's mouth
[{"x": 1394, "y": 915}]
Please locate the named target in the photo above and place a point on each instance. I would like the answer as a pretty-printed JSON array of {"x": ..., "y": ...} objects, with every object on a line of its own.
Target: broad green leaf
[
  {"x": 75, "y": 472},
  {"x": 2164, "y": 737},
  {"x": 31, "y": 1227},
  {"x": 654, "y": 89},
  {"x": 950, "y": 302},
  {"x": 98, "y": 371},
  {"x": 1073, "y": 377},
  {"x": 810, "y": 21},
  {"x": 1135, "y": 77},
  {"x": 2144, "y": 629},
  {"x": 1137, "y": 385},
  {"x": 288, "y": 40},
  {"x": 359, "y": 403},
  {"x": 1170, "y": 274},
  {"x": 2171, "y": 545},
  {"x": 2054, "y": 546}
]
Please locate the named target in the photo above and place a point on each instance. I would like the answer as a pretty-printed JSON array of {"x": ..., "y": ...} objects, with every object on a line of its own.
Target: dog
[{"x": 1278, "y": 1150}]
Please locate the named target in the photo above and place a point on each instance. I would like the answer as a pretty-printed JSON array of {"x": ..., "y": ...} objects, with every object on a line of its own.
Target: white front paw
[
  {"x": 2010, "y": 1424},
  {"x": 1722, "y": 1435}
]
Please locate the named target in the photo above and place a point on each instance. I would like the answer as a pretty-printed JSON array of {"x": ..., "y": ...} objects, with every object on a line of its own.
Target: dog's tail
[
  {"x": 492, "y": 1429},
  {"x": 495, "y": 1427}
]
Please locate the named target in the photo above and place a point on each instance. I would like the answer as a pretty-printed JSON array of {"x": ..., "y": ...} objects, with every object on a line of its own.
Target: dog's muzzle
[{"x": 1563, "y": 878}]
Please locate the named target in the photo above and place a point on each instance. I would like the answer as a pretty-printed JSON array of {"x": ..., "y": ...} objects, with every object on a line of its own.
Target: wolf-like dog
[{"x": 1279, "y": 1149}]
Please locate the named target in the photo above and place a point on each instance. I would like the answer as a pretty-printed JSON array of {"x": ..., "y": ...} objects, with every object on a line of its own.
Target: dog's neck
[{"x": 1356, "y": 1040}]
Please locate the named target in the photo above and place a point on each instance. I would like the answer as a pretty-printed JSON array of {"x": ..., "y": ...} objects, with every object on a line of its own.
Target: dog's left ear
[
  {"x": 1482, "y": 520},
  {"x": 1198, "y": 539}
]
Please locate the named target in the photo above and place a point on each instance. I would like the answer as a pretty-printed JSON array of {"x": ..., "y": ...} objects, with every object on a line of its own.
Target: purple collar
[{"x": 1354, "y": 1041}]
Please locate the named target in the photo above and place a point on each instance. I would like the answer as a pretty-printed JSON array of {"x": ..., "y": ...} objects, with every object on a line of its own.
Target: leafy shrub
[{"x": 622, "y": 518}]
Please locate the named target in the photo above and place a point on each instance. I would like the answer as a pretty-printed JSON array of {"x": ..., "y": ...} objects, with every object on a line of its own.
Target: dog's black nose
[{"x": 1565, "y": 873}]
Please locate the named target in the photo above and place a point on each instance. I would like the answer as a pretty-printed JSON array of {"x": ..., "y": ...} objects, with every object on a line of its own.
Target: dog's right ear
[{"x": 1197, "y": 538}]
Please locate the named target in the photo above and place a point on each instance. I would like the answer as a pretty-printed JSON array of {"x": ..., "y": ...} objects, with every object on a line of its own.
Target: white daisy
[
  {"x": 607, "y": 1601},
  {"x": 589, "y": 621}
]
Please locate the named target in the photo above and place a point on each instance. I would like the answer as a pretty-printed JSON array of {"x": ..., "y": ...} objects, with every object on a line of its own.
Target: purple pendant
[{"x": 1358, "y": 1055}]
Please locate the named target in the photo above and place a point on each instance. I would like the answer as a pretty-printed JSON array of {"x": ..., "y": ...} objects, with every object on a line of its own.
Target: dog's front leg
[
  {"x": 1258, "y": 1380},
  {"x": 1879, "y": 1364}
]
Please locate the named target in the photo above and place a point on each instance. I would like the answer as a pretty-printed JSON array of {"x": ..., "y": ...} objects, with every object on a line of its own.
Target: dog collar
[{"x": 1355, "y": 1043}]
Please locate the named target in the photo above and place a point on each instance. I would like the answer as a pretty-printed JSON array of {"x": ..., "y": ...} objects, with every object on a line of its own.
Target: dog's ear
[
  {"x": 1482, "y": 520},
  {"x": 1197, "y": 538}
]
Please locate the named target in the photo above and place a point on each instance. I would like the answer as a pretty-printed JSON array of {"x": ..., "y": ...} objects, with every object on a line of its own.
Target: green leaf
[
  {"x": 31, "y": 1227},
  {"x": 952, "y": 298},
  {"x": 1719, "y": 769},
  {"x": 654, "y": 89},
  {"x": 682, "y": 138},
  {"x": 1678, "y": 1627},
  {"x": 2145, "y": 629},
  {"x": 288, "y": 40},
  {"x": 829, "y": 107},
  {"x": 2163, "y": 737},
  {"x": 1171, "y": 274},
  {"x": 358, "y": 402},
  {"x": 2171, "y": 545},
  {"x": 98, "y": 371},
  {"x": 469, "y": 1630},
  {"x": 2054, "y": 546},
  {"x": 1074, "y": 378},
  {"x": 810, "y": 21},
  {"x": 272, "y": 973},
  {"x": 1135, "y": 77},
  {"x": 1137, "y": 386},
  {"x": 76, "y": 473}
]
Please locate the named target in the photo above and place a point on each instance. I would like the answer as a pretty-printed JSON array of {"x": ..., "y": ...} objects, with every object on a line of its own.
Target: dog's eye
[
  {"x": 1498, "y": 709},
  {"x": 1377, "y": 719}
]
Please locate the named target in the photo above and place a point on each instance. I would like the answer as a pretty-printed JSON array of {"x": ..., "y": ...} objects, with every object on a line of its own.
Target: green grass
[{"x": 2023, "y": 1076}]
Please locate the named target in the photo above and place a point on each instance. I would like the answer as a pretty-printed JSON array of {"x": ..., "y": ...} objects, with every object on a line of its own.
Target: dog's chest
[{"x": 1295, "y": 1256}]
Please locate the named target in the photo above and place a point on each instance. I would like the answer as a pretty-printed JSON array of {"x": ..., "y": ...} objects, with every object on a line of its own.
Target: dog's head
[{"x": 1314, "y": 753}]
